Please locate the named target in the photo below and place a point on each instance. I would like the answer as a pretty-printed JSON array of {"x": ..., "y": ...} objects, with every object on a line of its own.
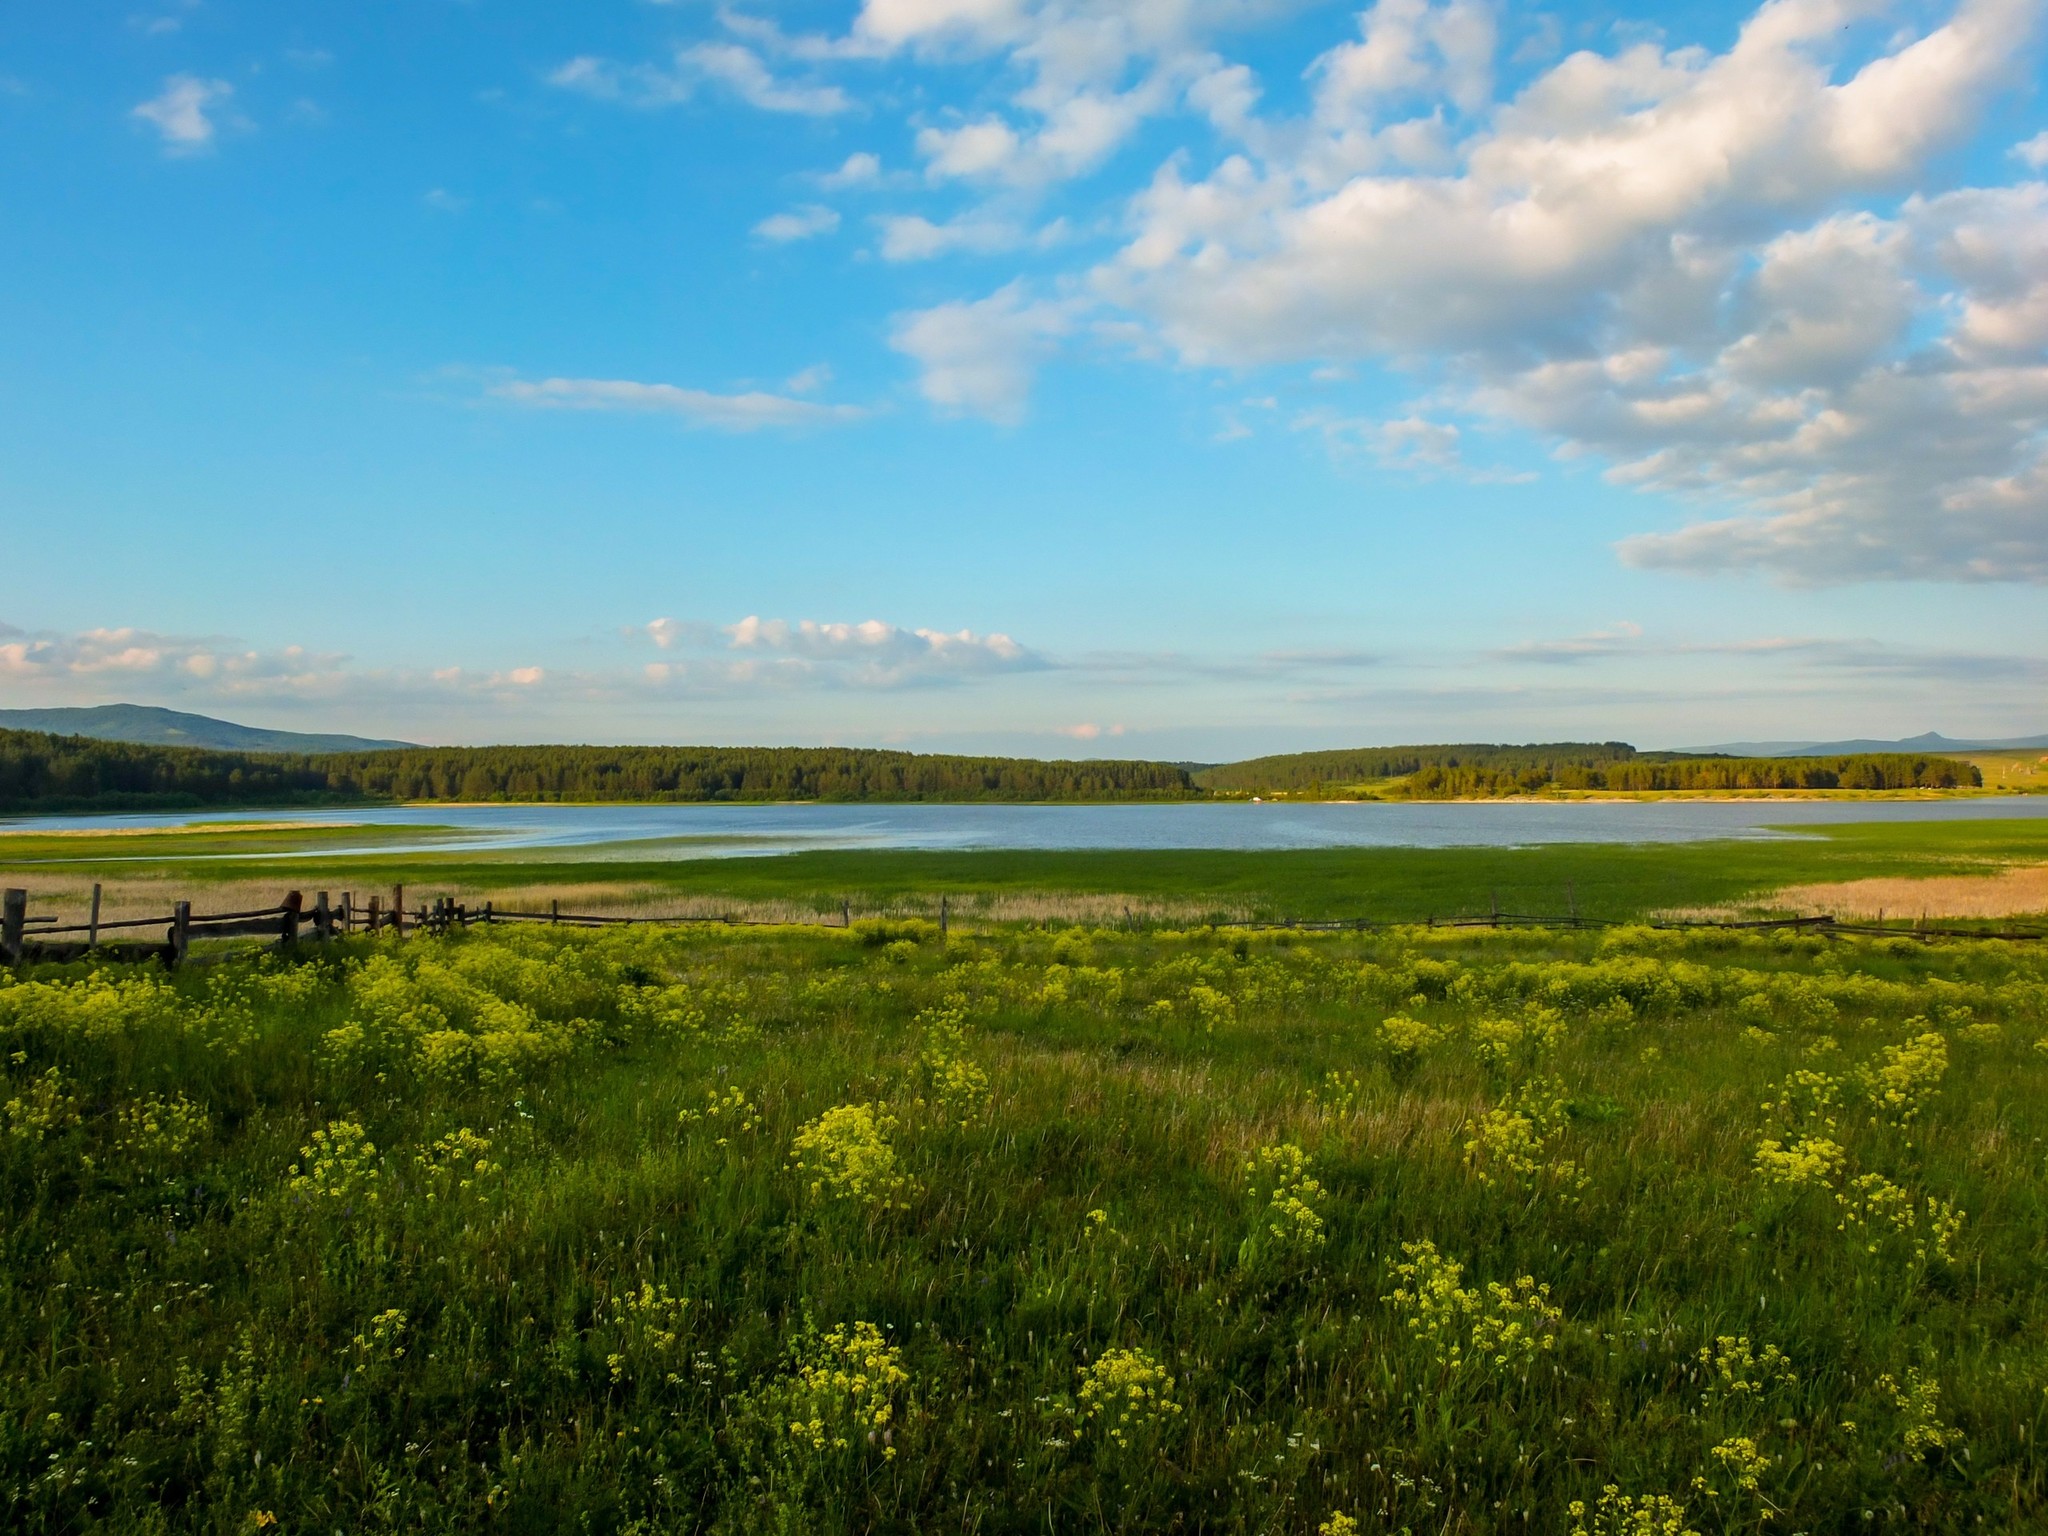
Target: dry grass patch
[{"x": 2009, "y": 893}]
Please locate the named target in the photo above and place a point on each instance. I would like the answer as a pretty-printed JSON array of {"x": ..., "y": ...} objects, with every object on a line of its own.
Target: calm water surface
[{"x": 725, "y": 831}]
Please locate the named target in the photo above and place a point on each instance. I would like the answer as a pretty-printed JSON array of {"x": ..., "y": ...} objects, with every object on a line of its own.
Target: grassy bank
[
  {"x": 702, "y": 1231},
  {"x": 1611, "y": 881}
]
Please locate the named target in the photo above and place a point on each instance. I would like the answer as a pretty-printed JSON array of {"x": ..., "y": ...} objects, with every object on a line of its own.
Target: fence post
[
  {"x": 323, "y": 917},
  {"x": 942, "y": 917},
  {"x": 398, "y": 910},
  {"x": 845, "y": 914},
  {"x": 13, "y": 918},
  {"x": 288, "y": 927},
  {"x": 92, "y": 929},
  {"x": 181, "y": 931},
  {"x": 376, "y": 913},
  {"x": 488, "y": 916},
  {"x": 554, "y": 912}
]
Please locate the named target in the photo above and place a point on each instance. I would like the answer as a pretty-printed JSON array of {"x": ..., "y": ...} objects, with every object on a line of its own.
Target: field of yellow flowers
[{"x": 721, "y": 1230}]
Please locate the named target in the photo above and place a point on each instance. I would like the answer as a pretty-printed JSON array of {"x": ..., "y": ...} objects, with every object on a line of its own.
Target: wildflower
[
  {"x": 1125, "y": 1393},
  {"x": 455, "y": 1163},
  {"x": 952, "y": 1079},
  {"x": 648, "y": 1322},
  {"x": 1284, "y": 1198},
  {"x": 1920, "y": 1401},
  {"x": 1340, "y": 1093},
  {"x": 848, "y": 1155},
  {"x": 1736, "y": 1371},
  {"x": 1630, "y": 1514},
  {"x": 1872, "y": 1203},
  {"x": 1339, "y": 1524},
  {"x": 842, "y": 1389},
  {"x": 1806, "y": 1101},
  {"x": 338, "y": 1164},
  {"x": 382, "y": 1338},
  {"x": 1407, "y": 1040},
  {"x": 731, "y": 1114},
  {"x": 160, "y": 1127},
  {"x": 40, "y": 1113},
  {"x": 1510, "y": 1144},
  {"x": 1810, "y": 1160},
  {"x": 1743, "y": 1462},
  {"x": 1503, "y": 1326},
  {"x": 1901, "y": 1079}
]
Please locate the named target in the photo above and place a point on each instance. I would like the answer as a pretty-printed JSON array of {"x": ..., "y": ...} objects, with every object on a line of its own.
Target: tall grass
[{"x": 550, "y": 1231}]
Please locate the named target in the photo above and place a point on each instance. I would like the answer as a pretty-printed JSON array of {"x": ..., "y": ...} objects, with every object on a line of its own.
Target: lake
[{"x": 727, "y": 831}]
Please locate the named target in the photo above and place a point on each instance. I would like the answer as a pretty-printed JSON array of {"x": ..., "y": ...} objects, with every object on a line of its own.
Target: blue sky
[{"x": 1190, "y": 378}]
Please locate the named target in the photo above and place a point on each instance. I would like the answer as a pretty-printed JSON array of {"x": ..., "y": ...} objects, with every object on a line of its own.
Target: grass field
[
  {"x": 738, "y": 1231},
  {"x": 2007, "y": 773},
  {"x": 1611, "y": 881}
]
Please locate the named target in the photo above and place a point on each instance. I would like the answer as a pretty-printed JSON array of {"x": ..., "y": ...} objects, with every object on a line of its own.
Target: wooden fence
[{"x": 291, "y": 922}]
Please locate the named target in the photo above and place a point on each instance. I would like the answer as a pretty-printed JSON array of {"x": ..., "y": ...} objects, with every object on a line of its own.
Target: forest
[
  {"x": 40, "y": 772},
  {"x": 54, "y": 773},
  {"x": 1457, "y": 772}
]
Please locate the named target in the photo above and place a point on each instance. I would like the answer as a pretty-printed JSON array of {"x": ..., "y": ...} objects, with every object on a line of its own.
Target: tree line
[
  {"x": 41, "y": 772},
  {"x": 1294, "y": 772}
]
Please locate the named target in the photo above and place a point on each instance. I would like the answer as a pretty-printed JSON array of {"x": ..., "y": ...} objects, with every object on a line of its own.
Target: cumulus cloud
[
  {"x": 127, "y": 656},
  {"x": 978, "y": 358},
  {"x": 748, "y": 411},
  {"x": 801, "y": 223},
  {"x": 1639, "y": 257},
  {"x": 813, "y": 653},
  {"x": 737, "y": 68},
  {"x": 908, "y": 237},
  {"x": 185, "y": 112},
  {"x": 1709, "y": 271},
  {"x": 859, "y": 169}
]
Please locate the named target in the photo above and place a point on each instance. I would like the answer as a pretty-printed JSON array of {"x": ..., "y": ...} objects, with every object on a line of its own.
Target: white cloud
[
  {"x": 802, "y": 223},
  {"x": 744, "y": 412},
  {"x": 1639, "y": 257},
  {"x": 1621, "y": 638},
  {"x": 129, "y": 659},
  {"x": 808, "y": 380},
  {"x": 737, "y": 68},
  {"x": 184, "y": 112},
  {"x": 907, "y": 237},
  {"x": 810, "y": 653},
  {"x": 2033, "y": 152},
  {"x": 859, "y": 169},
  {"x": 979, "y": 358}
]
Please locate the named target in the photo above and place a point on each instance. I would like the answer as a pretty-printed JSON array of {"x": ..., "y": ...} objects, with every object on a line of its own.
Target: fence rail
[{"x": 24, "y": 938}]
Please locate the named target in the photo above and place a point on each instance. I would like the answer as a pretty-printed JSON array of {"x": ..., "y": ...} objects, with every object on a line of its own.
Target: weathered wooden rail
[{"x": 25, "y": 938}]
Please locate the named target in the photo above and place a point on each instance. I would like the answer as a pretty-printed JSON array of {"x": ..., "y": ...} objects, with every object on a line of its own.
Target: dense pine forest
[
  {"x": 40, "y": 772},
  {"x": 1476, "y": 770}
]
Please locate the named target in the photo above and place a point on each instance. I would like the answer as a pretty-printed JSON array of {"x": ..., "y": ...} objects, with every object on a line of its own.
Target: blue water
[{"x": 725, "y": 831}]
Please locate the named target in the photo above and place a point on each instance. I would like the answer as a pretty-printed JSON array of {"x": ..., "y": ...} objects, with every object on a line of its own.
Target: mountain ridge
[{"x": 149, "y": 726}]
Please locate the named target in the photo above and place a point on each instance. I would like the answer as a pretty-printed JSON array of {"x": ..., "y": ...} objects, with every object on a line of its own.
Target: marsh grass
[{"x": 526, "y": 1281}]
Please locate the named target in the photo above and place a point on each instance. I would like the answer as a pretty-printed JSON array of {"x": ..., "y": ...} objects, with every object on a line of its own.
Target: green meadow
[
  {"x": 1606, "y": 881},
  {"x": 1031, "y": 1229}
]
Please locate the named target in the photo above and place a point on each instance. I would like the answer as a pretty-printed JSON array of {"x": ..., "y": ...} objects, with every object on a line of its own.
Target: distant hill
[
  {"x": 150, "y": 727},
  {"x": 1932, "y": 741}
]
